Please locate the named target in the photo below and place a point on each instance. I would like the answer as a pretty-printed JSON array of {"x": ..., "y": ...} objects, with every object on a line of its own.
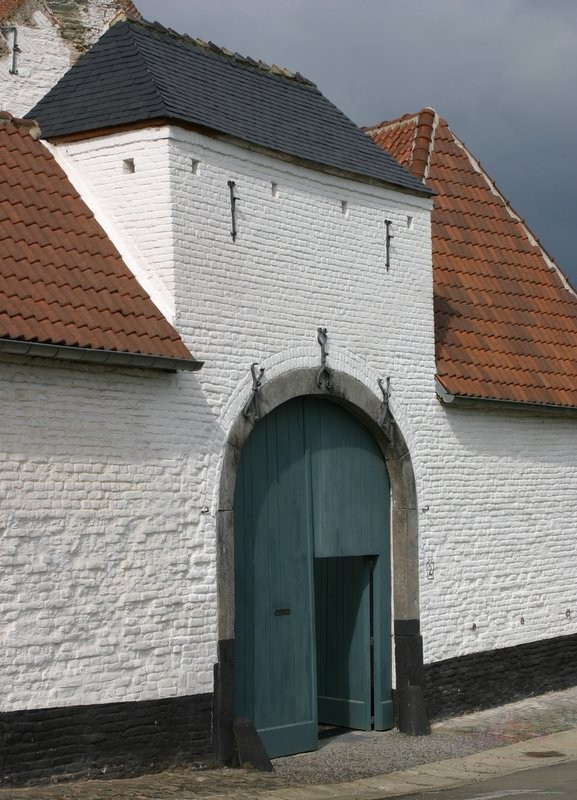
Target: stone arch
[{"x": 366, "y": 406}]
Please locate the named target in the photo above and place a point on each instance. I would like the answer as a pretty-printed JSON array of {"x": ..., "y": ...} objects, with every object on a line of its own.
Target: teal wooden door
[
  {"x": 311, "y": 482},
  {"x": 274, "y": 677},
  {"x": 343, "y": 641}
]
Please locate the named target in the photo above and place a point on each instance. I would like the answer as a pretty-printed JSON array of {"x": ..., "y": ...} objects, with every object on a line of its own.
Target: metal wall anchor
[
  {"x": 388, "y": 238},
  {"x": 385, "y": 387},
  {"x": 233, "y": 199},
  {"x": 253, "y": 404},
  {"x": 15, "y": 48},
  {"x": 324, "y": 377}
]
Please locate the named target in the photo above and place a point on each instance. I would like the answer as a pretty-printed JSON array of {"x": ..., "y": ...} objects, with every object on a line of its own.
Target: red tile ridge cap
[
  {"x": 390, "y": 123},
  {"x": 426, "y": 121},
  {"x": 33, "y": 127},
  {"x": 130, "y": 9},
  {"x": 126, "y": 11},
  {"x": 534, "y": 241},
  {"x": 423, "y": 143}
]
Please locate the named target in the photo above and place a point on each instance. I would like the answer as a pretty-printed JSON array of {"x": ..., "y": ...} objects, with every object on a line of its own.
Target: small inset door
[{"x": 343, "y": 641}]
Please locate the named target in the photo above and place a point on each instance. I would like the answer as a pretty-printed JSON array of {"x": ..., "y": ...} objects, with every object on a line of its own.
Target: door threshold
[{"x": 329, "y": 731}]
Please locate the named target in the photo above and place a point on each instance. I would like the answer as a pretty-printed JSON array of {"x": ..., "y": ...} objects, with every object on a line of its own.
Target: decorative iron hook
[
  {"x": 253, "y": 404},
  {"x": 385, "y": 387},
  {"x": 324, "y": 377}
]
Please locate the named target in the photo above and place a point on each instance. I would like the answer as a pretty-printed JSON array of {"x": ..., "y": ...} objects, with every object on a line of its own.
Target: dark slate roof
[{"x": 142, "y": 71}]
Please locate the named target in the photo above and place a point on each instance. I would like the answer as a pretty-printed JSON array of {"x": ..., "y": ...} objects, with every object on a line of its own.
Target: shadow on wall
[{"x": 123, "y": 415}]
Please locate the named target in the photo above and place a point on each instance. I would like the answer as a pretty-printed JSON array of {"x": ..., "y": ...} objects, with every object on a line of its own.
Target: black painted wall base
[
  {"x": 492, "y": 678},
  {"x": 411, "y": 715},
  {"x": 112, "y": 740}
]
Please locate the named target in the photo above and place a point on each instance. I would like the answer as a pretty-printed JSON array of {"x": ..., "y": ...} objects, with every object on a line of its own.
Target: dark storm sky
[{"x": 502, "y": 72}]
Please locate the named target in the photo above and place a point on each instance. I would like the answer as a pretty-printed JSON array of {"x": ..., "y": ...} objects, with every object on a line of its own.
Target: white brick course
[{"x": 111, "y": 476}]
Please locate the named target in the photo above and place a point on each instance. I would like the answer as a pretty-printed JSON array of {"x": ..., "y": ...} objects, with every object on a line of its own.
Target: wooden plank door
[
  {"x": 274, "y": 628},
  {"x": 343, "y": 641},
  {"x": 311, "y": 482}
]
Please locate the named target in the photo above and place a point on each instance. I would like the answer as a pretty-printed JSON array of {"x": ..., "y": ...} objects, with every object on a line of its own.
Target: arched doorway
[{"x": 312, "y": 576}]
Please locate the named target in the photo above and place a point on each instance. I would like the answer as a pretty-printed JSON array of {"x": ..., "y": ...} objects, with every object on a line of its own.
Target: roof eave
[
  {"x": 327, "y": 169},
  {"x": 494, "y": 404},
  {"x": 109, "y": 358},
  {"x": 64, "y": 138}
]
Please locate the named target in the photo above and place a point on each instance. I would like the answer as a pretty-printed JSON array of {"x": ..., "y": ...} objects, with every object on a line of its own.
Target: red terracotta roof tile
[
  {"x": 505, "y": 316},
  {"x": 62, "y": 281}
]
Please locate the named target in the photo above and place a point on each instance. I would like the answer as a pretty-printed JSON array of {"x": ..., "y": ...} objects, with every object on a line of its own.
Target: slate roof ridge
[
  {"x": 532, "y": 238},
  {"x": 217, "y": 50},
  {"x": 128, "y": 23}
]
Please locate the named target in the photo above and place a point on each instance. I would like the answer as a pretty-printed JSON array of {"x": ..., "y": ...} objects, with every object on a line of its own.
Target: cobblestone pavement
[{"x": 350, "y": 756}]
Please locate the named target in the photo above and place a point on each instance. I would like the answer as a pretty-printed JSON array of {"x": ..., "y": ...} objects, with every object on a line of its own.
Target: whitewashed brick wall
[
  {"x": 107, "y": 566},
  {"x": 125, "y": 465},
  {"x": 44, "y": 54},
  {"x": 43, "y": 59},
  {"x": 501, "y": 530}
]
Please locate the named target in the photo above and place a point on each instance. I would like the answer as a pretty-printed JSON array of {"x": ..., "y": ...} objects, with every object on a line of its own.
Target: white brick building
[{"x": 124, "y": 536}]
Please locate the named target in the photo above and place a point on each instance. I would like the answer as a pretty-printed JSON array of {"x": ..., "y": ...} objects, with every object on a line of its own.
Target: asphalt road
[{"x": 558, "y": 782}]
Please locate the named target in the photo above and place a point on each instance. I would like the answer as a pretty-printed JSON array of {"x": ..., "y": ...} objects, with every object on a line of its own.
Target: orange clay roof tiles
[
  {"x": 62, "y": 281},
  {"x": 505, "y": 317}
]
